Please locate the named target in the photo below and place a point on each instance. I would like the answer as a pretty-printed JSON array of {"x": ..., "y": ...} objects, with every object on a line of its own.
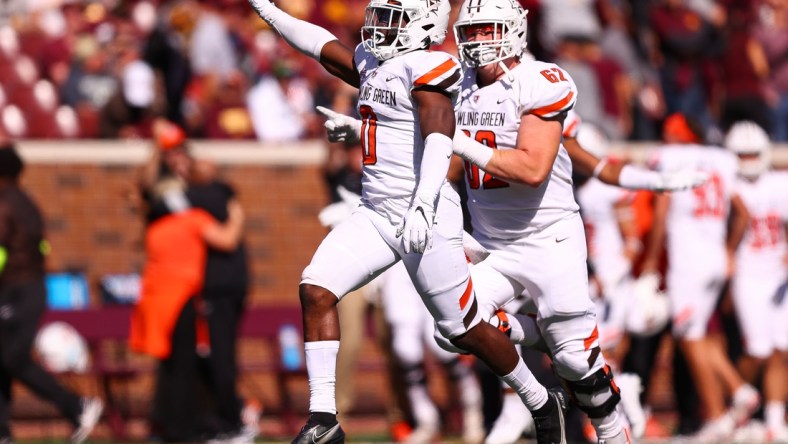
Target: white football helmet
[
  {"x": 751, "y": 143},
  {"x": 61, "y": 348},
  {"x": 504, "y": 19},
  {"x": 593, "y": 140},
  {"x": 394, "y": 27},
  {"x": 649, "y": 309}
]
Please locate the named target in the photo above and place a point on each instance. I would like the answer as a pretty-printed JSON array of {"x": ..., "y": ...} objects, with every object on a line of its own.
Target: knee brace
[{"x": 596, "y": 395}]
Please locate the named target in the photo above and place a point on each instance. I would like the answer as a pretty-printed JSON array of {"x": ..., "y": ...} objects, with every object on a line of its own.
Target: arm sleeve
[{"x": 301, "y": 35}]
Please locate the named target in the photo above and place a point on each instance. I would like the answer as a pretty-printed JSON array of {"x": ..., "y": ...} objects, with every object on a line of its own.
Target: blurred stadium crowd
[{"x": 107, "y": 68}]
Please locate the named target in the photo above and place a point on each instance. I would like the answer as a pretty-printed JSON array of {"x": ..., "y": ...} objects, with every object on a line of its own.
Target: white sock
[
  {"x": 321, "y": 366},
  {"x": 608, "y": 427},
  {"x": 533, "y": 394},
  {"x": 424, "y": 411},
  {"x": 774, "y": 414}
]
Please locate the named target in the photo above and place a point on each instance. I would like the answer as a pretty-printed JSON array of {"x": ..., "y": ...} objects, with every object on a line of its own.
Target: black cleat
[
  {"x": 549, "y": 419},
  {"x": 314, "y": 433}
]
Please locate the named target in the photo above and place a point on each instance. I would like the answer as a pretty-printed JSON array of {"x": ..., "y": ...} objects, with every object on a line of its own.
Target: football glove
[
  {"x": 341, "y": 128},
  {"x": 682, "y": 180},
  {"x": 416, "y": 226}
]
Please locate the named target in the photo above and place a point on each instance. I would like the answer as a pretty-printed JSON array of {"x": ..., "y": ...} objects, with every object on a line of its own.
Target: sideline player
[
  {"x": 701, "y": 243},
  {"x": 408, "y": 209},
  {"x": 761, "y": 270}
]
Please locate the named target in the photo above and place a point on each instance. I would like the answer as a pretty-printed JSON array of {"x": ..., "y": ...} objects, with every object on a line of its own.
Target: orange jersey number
[
  {"x": 369, "y": 126},
  {"x": 765, "y": 231},
  {"x": 472, "y": 173},
  {"x": 709, "y": 199}
]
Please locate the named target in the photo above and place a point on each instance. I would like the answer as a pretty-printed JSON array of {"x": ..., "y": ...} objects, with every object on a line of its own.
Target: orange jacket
[{"x": 173, "y": 274}]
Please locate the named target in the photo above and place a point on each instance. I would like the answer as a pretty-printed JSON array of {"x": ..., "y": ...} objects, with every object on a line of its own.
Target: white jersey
[
  {"x": 605, "y": 243},
  {"x": 697, "y": 218},
  {"x": 764, "y": 247},
  {"x": 391, "y": 137},
  {"x": 491, "y": 115},
  {"x": 572, "y": 124}
]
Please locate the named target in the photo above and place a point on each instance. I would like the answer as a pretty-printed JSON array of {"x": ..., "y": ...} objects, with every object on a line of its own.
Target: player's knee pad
[
  {"x": 446, "y": 344},
  {"x": 574, "y": 365},
  {"x": 597, "y": 395}
]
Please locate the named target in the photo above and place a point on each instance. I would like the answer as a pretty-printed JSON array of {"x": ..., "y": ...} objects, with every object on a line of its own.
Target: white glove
[
  {"x": 683, "y": 180},
  {"x": 416, "y": 226},
  {"x": 263, "y": 8},
  {"x": 341, "y": 128}
]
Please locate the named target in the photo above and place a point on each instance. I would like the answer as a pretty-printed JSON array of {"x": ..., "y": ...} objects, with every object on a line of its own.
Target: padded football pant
[{"x": 21, "y": 307}]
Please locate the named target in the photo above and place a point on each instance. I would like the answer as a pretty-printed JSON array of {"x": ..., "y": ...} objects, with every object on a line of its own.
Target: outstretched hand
[
  {"x": 683, "y": 180},
  {"x": 264, "y": 9},
  {"x": 341, "y": 128}
]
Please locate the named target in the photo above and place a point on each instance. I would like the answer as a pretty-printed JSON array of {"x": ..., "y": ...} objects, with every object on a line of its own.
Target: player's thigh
[
  {"x": 693, "y": 296},
  {"x": 493, "y": 288},
  {"x": 753, "y": 302},
  {"x": 556, "y": 272},
  {"x": 441, "y": 275},
  {"x": 350, "y": 255},
  {"x": 402, "y": 304}
]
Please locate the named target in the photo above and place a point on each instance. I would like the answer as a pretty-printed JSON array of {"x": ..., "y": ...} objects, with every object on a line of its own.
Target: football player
[
  {"x": 700, "y": 249},
  {"x": 521, "y": 201},
  {"x": 406, "y": 102},
  {"x": 761, "y": 270}
]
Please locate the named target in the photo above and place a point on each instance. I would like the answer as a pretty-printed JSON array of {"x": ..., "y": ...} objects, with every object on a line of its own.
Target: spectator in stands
[
  {"x": 772, "y": 33},
  {"x": 685, "y": 42},
  {"x": 226, "y": 274},
  {"x": 279, "y": 99},
  {"x": 131, "y": 111},
  {"x": 164, "y": 322},
  {"x": 745, "y": 70},
  {"x": 23, "y": 301},
  {"x": 165, "y": 51},
  {"x": 562, "y": 18}
]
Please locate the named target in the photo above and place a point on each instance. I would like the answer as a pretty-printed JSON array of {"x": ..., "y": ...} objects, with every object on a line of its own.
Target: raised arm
[
  {"x": 310, "y": 39},
  {"x": 226, "y": 236}
]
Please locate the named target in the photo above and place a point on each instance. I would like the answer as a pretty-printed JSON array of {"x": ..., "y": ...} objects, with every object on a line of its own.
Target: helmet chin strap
[{"x": 509, "y": 75}]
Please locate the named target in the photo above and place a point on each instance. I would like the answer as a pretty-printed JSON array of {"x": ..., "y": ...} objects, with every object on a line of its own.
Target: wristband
[
  {"x": 471, "y": 150},
  {"x": 599, "y": 167}
]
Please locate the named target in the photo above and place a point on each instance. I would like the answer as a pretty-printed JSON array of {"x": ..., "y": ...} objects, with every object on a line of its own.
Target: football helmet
[
  {"x": 503, "y": 19},
  {"x": 649, "y": 310},
  {"x": 593, "y": 140},
  {"x": 61, "y": 348},
  {"x": 751, "y": 144},
  {"x": 395, "y": 27}
]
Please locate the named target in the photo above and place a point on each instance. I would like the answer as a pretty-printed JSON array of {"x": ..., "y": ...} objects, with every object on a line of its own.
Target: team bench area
[{"x": 115, "y": 368}]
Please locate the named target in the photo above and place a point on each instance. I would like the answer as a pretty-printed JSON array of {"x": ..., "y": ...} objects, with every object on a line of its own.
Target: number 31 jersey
[
  {"x": 697, "y": 218},
  {"x": 491, "y": 116},
  {"x": 391, "y": 137}
]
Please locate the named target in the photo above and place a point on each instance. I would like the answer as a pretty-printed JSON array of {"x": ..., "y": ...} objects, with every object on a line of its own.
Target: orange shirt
[{"x": 173, "y": 274}]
